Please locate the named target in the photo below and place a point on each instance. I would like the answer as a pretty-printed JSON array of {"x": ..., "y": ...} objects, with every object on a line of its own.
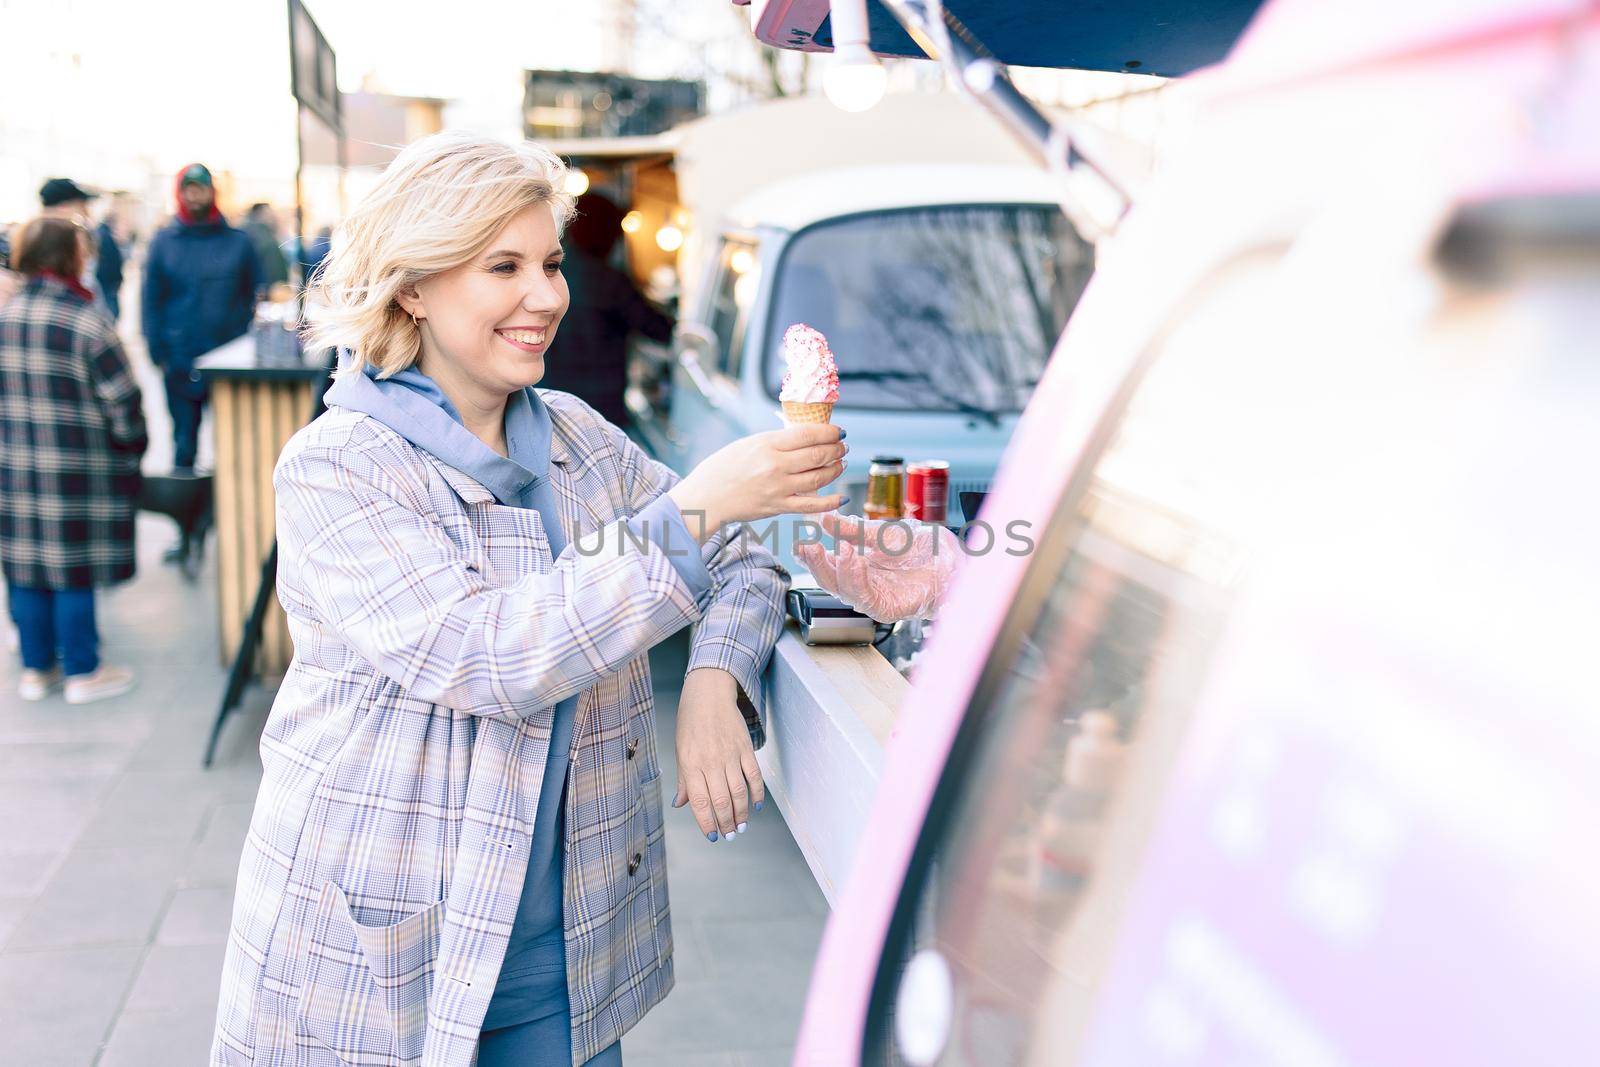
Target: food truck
[
  {"x": 1279, "y": 746},
  {"x": 941, "y": 282}
]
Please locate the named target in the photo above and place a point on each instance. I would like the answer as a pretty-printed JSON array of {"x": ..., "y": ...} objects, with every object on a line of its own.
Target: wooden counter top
[
  {"x": 238, "y": 360},
  {"x": 828, "y": 712}
]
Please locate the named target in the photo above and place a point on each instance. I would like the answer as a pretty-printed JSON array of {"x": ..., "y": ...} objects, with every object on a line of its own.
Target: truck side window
[{"x": 738, "y": 277}]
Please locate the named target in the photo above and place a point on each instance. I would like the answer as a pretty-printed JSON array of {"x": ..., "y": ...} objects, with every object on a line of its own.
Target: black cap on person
[{"x": 61, "y": 191}]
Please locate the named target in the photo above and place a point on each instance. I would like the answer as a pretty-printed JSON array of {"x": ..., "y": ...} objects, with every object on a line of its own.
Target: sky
[
  {"x": 123, "y": 93},
  {"x": 119, "y": 93}
]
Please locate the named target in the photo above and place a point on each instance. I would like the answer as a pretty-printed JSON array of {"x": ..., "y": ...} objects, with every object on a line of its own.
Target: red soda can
[{"x": 927, "y": 491}]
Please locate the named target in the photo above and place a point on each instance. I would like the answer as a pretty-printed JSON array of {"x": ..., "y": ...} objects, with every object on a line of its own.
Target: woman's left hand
[{"x": 717, "y": 773}]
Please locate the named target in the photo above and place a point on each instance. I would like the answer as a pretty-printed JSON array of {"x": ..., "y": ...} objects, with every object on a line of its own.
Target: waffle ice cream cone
[{"x": 798, "y": 414}]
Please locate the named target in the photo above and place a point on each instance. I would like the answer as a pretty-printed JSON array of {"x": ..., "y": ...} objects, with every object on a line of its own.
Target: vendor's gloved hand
[{"x": 886, "y": 569}]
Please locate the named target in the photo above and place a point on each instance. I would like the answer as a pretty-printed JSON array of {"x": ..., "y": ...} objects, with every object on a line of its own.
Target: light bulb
[
  {"x": 856, "y": 80},
  {"x": 577, "y": 182},
  {"x": 669, "y": 238},
  {"x": 631, "y": 222}
]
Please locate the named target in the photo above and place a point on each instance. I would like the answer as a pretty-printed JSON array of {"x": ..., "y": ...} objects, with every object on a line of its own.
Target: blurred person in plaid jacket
[
  {"x": 71, "y": 435},
  {"x": 457, "y": 853}
]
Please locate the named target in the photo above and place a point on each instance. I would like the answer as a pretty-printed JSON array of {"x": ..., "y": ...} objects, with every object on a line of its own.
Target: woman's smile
[{"x": 526, "y": 338}]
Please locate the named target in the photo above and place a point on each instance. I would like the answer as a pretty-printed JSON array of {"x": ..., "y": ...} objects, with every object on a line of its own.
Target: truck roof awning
[
  {"x": 1168, "y": 37},
  {"x": 615, "y": 150}
]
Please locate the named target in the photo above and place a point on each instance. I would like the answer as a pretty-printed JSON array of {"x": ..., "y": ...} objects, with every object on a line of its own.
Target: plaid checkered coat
[
  {"x": 71, "y": 434},
  {"x": 405, "y": 752}
]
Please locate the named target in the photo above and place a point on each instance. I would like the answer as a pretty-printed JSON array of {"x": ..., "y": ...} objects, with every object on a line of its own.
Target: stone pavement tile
[
  {"x": 177, "y": 740},
  {"x": 688, "y": 955},
  {"x": 101, "y": 896},
  {"x": 636, "y": 1054},
  {"x": 11, "y": 909},
  {"x": 742, "y": 894},
  {"x": 53, "y": 720},
  {"x": 725, "y": 1016},
  {"x": 163, "y": 806},
  {"x": 44, "y": 760},
  {"x": 212, "y": 865},
  {"x": 753, "y": 948},
  {"x": 767, "y": 837},
  {"x": 721, "y": 885},
  {"x": 143, "y": 609},
  {"x": 178, "y": 976},
  {"x": 215, "y": 860},
  {"x": 227, "y": 824},
  {"x": 55, "y": 1007},
  {"x": 25, "y": 874},
  {"x": 172, "y": 1038},
  {"x": 57, "y": 811},
  {"x": 163, "y": 650},
  {"x": 197, "y": 917},
  {"x": 238, "y": 747}
]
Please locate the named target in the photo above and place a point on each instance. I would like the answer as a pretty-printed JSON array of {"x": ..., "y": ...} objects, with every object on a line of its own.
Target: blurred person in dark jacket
[
  {"x": 312, "y": 254},
  {"x": 590, "y": 356},
  {"x": 109, "y": 262},
  {"x": 9, "y": 282},
  {"x": 262, "y": 226},
  {"x": 63, "y": 198},
  {"x": 71, "y": 434},
  {"x": 200, "y": 280}
]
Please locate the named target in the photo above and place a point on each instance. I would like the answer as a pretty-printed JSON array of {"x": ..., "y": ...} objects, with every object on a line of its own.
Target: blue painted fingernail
[
  {"x": 743, "y": 827},
  {"x": 759, "y": 804},
  {"x": 712, "y": 837},
  {"x": 842, "y": 433},
  {"x": 843, "y": 501}
]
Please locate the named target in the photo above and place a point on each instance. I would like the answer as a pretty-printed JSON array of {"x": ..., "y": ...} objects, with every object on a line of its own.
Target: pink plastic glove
[{"x": 874, "y": 569}]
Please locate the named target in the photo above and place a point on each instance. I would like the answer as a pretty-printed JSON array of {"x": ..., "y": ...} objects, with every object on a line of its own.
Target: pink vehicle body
[{"x": 1349, "y": 137}]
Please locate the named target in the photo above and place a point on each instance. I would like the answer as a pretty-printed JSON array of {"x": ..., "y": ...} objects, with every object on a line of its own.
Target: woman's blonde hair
[{"x": 436, "y": 206}]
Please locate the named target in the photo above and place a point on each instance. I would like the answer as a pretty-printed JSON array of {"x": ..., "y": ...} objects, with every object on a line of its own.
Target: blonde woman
[{"x": 457, "y": 847}]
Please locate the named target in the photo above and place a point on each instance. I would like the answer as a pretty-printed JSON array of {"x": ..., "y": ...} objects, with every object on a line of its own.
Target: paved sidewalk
[{"x": 118, "y": 858}]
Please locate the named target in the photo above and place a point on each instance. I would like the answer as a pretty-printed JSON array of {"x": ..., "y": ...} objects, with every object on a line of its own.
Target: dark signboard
[
  {"x": 568, "y": 103},
  {"x": 312, "y": 67}
]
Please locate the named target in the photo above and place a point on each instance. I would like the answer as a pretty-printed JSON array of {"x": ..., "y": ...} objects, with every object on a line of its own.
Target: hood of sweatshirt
[{"x": 412, "y": 405}]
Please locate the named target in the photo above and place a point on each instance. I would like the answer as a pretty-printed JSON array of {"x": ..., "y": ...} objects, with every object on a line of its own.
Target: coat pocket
[{"x": 365, "y": 993}]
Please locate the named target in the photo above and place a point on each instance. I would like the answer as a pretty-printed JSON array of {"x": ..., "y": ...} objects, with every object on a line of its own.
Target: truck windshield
[{"x": 950, "y": 308}]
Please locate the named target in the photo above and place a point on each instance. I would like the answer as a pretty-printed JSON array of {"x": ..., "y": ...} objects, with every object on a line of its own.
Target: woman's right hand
[{"x": 765, "y": 474}]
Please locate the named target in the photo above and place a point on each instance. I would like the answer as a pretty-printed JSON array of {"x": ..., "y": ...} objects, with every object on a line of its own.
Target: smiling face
[{"x": 487, "y": 324}]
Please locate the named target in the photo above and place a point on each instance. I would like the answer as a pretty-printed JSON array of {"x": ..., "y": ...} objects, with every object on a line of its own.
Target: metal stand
[{"x": 244, "y": 659}]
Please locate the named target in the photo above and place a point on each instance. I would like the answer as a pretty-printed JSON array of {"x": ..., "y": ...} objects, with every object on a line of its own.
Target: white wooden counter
[{"x": 828, "y": 711}]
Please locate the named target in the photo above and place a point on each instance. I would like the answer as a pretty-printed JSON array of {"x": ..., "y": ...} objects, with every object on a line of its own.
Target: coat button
[
  {"x": 633, "y": 864},
  {"x": 633, "y": 746}
]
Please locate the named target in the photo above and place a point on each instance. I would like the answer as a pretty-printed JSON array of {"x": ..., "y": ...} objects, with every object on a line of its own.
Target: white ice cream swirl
[{"x": 812, "y": 377}]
